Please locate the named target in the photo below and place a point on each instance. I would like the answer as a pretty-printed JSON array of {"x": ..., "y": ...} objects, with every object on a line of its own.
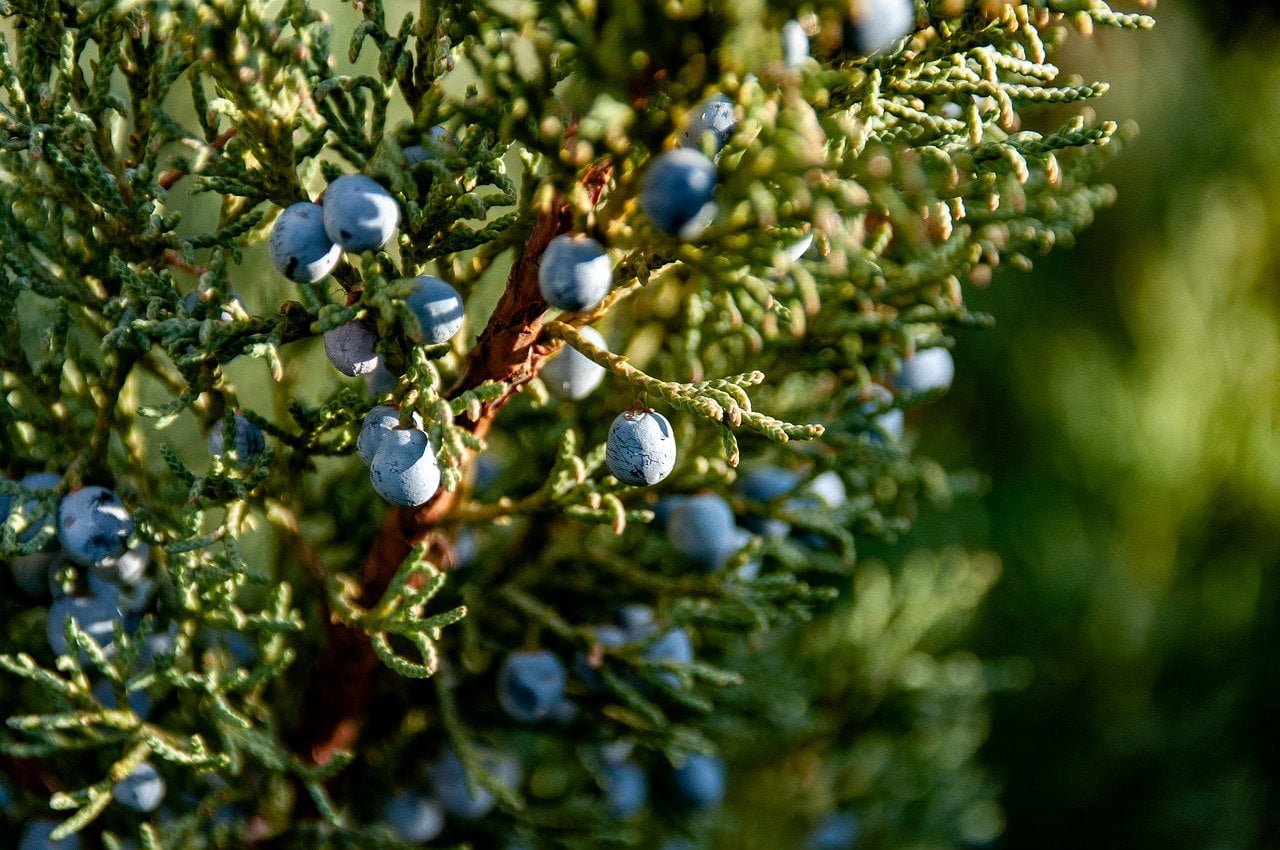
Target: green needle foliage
[{"x": 146, "y": 148}]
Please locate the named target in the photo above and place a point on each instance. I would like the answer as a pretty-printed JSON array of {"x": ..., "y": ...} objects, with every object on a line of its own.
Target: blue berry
[
  {"x": 828, "y": 488},
  {"x": 299, "y": 247},
  {"x": 626, "y": 786},
  {"x": 380, "y": 381},
  {"x": 570, "y": 374},
  {"x": 414, "y": 818},
  {"x": 641, "y": 447},
  {"x": 350, "y": 348},
  {"x": 31, "y": 573},
  {"x": 142, "y": 790},
  {"x": 701, "y": 527},
  {"x": 37, "y": 520},
  {"x": 130, "y": 569},
  {"x": 677, "y": 193},
  {"x": 96, "y": 616},
  {"x": 377, "y": 423},
  {"x": 437, "y": 310},
  {"x": 359, "y": 214},
  {"x": 927, "y": 371},
  {"x": 886, "y": 421},
  {"x": 795, "y": 44},
  {"x": 700, "y": 781},
  {"x": 674, "y": 646},
  {"x": 663, "y": 509},
  {"x": 877, "y": 25},
  {"x": 449, "y": 780},
  {"x": 247, "y": 441},
  {"x": 93, "y": 525},
  {"x": 836, "y": 831},
  {"x": 574, "y": 273},
  {"x": 530, "y": 684},
  {"x": 715, "y": 118},
  {"x": 639, "y": 621},
  {"x": 35, "y": 836},
  {"x": 415, "y": 154},
  {"x": 404, "y": 469},
  {"x": 765, "y": 484},
  {"x": 466, "y": 548}
]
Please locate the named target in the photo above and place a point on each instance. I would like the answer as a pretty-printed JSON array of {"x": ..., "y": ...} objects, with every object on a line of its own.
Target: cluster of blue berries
[
  {"x": 402, "y": 462},
  {"x": 308, "y": 239},
  {"x": 417, "y": 817}
]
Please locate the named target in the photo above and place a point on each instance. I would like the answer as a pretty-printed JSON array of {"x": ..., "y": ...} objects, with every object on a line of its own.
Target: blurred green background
[{"x": 1127, "y": 411}]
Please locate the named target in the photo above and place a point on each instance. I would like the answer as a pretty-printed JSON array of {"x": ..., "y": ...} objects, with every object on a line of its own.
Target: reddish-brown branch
[{"x": 508, "y": 350}]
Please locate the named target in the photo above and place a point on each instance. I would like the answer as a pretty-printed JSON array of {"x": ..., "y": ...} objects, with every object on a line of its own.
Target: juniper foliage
[{"x": 305, "y": 663}]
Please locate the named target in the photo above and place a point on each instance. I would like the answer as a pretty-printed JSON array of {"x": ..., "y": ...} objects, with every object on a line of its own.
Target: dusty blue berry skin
[
  {"x": 715, "y": 118},
  {"x": 927, "y": 371},
  {"x": 795, "y": 44},
  {"x": 404, "y": 469},
  {"x": 570, "y": 374},
  {"x": 36, "y": 837},
  {"x": 377, "y": 422},
  {"x": 677, "y": 193},
  {"x": 437, "y": 310},
  {"x": 93, "y": 526},
  {"x": 879, "y": 25},
  {"x": 359, "y": 214},
  {"x": 700, "y": 781},
  {"x": 641, "y": 447},
  {"x": 349, "y": 348},
  {"x": 248, "y": 440},
  {"x": 300, "y": 248},
  {"x": 96, "y": 616},
  {"x": 142, "y": 790},
  {"x": 890, "y": 422},
  {"x": 701, "y": 528},
  {"x": 530, "y": 684},
  {"x": 836, "y": 831},
  {"x": 574, "y": 273},
  {"x": 626, "y": 786},
  {"x": 414, "y": 818}
]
